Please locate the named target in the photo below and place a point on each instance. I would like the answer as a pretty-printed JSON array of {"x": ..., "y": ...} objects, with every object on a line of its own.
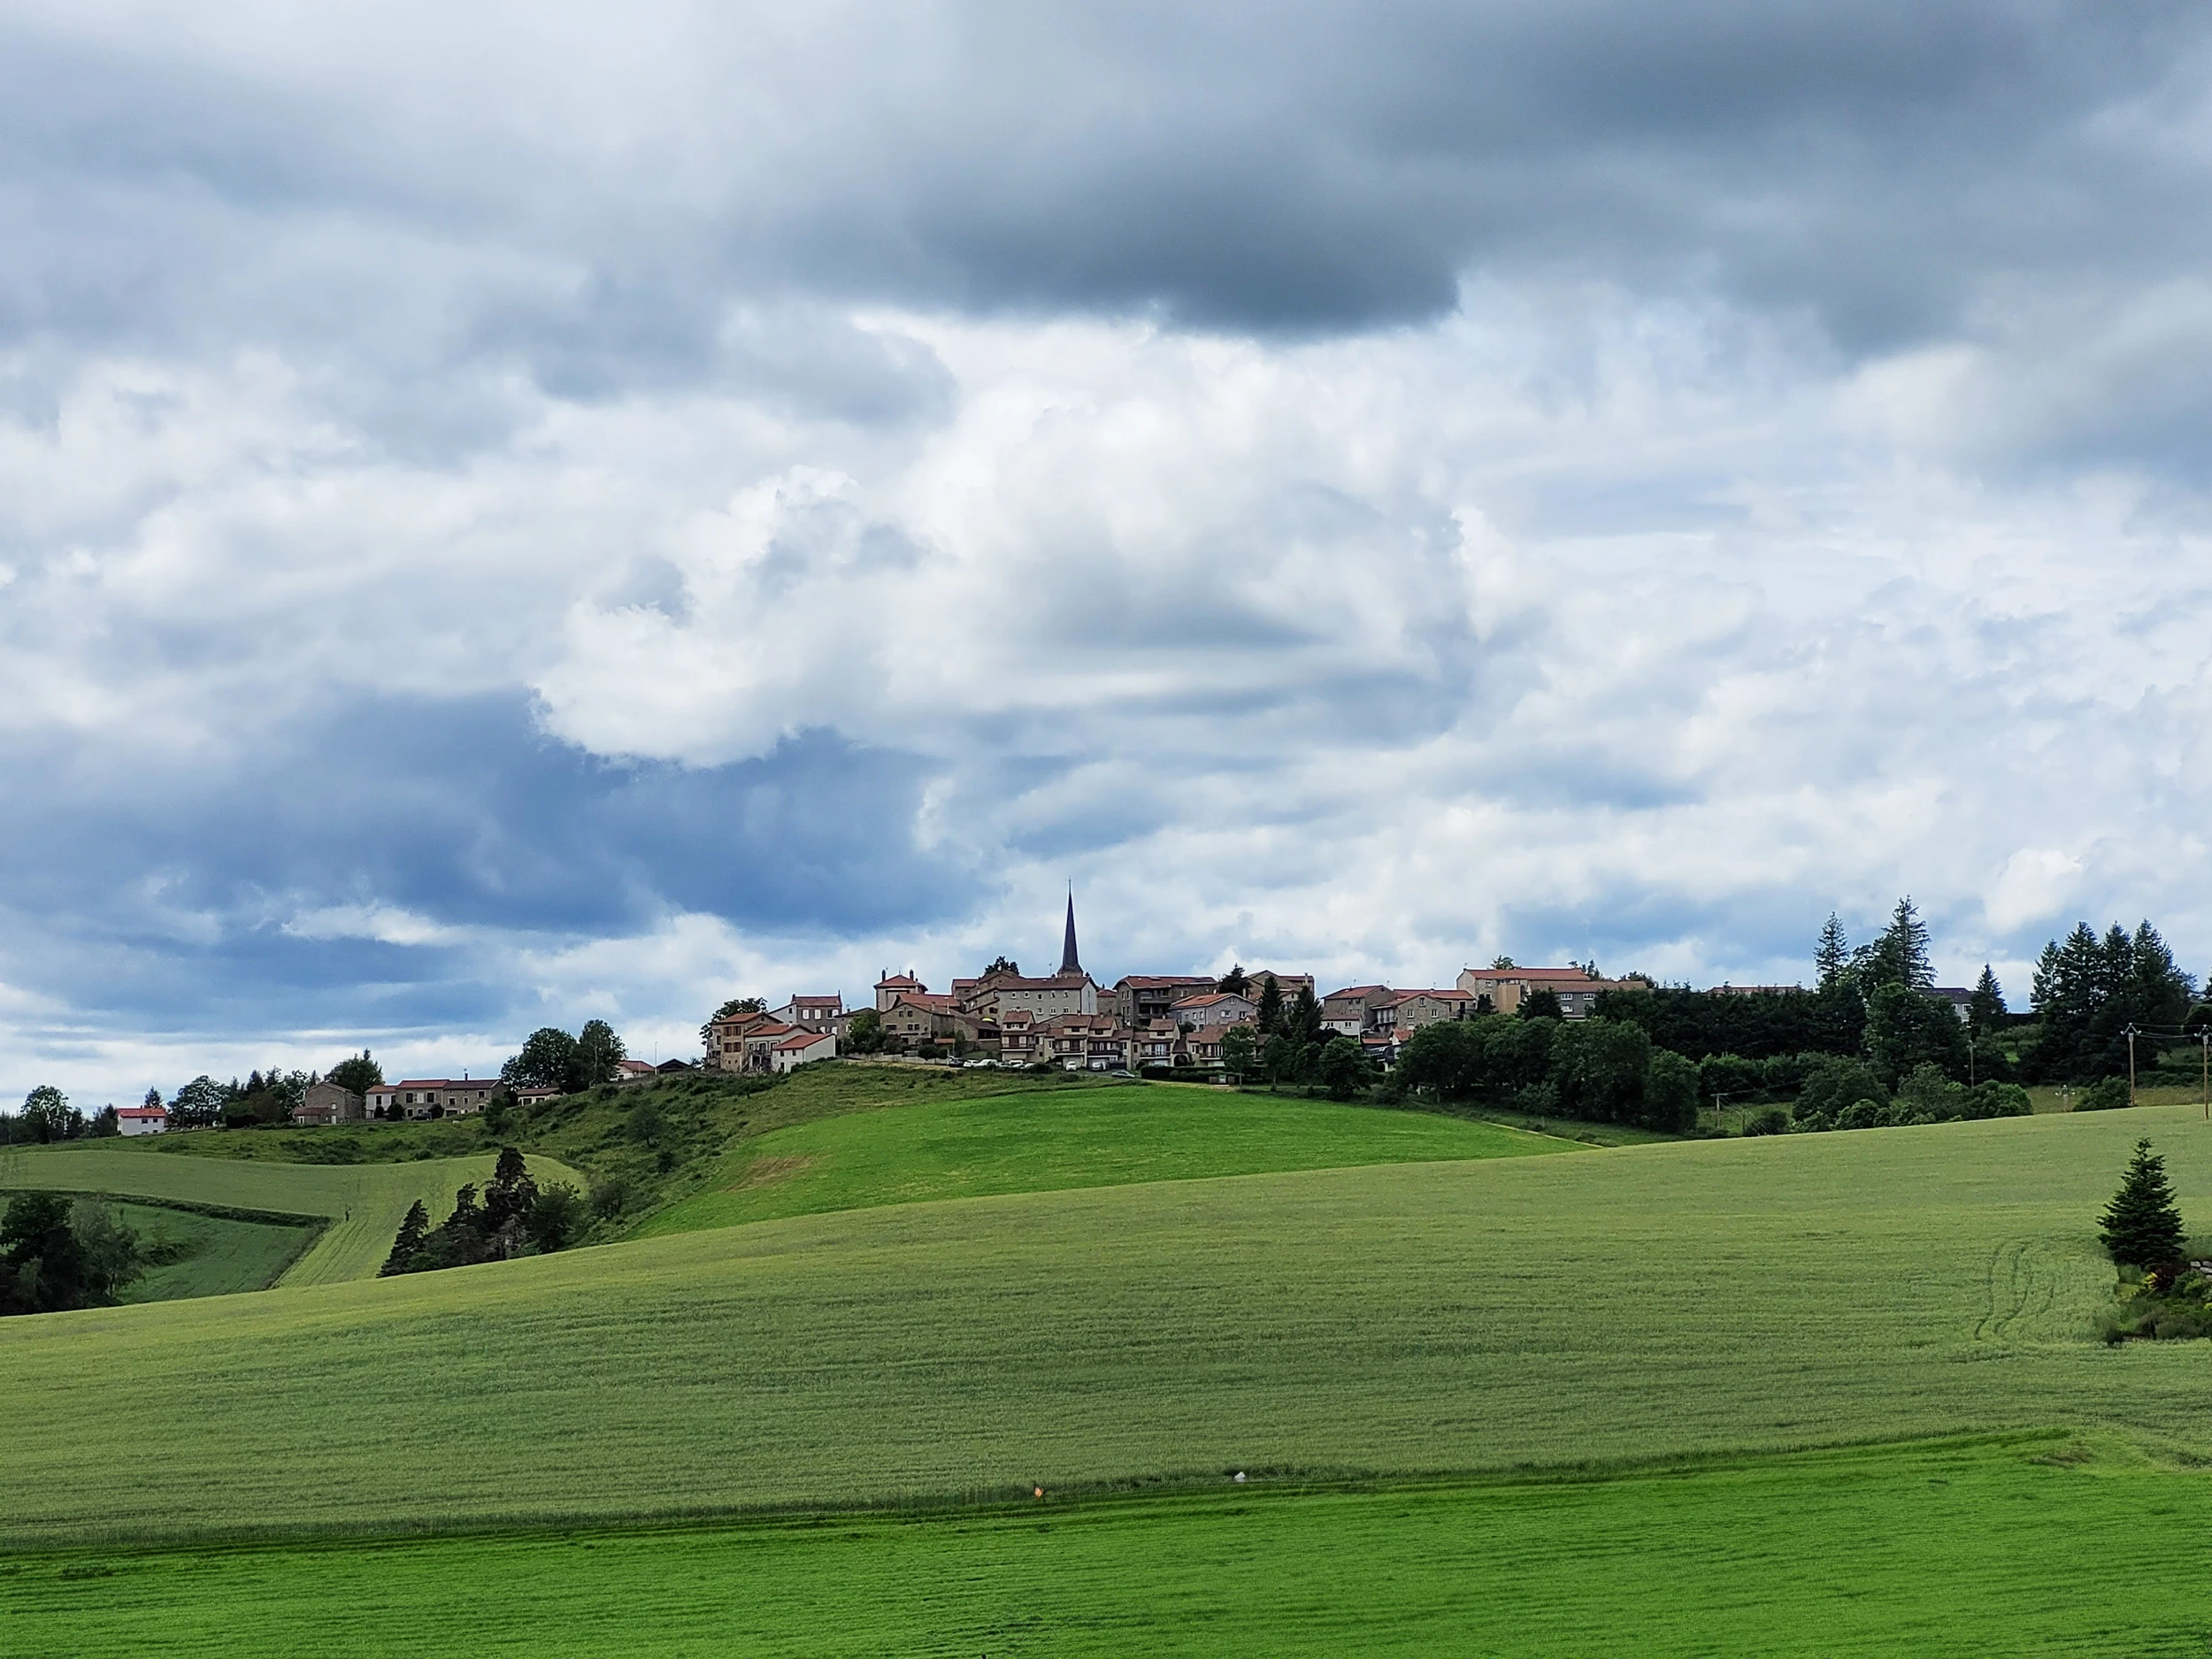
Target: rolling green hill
[
  {"x": 225, "y": 1254},
  {"x": 1508, "y": 1312},
  {"x": 970, "y": 1145},
  {"x": 364, "y": 1202}
]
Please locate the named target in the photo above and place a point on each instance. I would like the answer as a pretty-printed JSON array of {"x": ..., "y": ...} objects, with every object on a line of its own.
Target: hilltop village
[{"x": 1068, "y": 1020}]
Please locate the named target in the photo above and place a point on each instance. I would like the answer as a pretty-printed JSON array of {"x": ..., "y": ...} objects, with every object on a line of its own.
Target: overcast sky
[{"x": 512, "y": 513}]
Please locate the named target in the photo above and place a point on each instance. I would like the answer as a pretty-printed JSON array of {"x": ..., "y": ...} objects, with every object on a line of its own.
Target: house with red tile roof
[
  {"x": 801, "y": 1049},
  {"x": 1213, "y": 1009}
]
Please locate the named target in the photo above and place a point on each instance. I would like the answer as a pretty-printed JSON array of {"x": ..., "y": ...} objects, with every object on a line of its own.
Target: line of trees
[
  {"x": 1868, "y": 1045},
  {"x": 514, "y": 1216},
  {"x": 2090, "y": 990},
  {"x": 58, "y": 1253},
  {"x": 551, "y": 1058}
]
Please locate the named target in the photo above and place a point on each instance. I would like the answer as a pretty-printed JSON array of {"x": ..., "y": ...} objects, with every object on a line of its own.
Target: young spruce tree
[{"x": 2142, "y": 1224}]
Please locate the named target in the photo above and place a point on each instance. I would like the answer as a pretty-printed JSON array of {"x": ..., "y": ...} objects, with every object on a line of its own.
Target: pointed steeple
[{"x": 1069, "y": 964}]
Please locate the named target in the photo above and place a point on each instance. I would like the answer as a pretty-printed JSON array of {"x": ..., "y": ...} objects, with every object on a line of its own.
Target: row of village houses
[
  {"x": 1068, "y": 1019},
  {"x": 1065, "y": 1020}
]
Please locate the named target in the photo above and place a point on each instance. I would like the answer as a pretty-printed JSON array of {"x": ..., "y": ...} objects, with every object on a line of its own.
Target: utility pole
[
  {"x": 2204, "y": 1042},
  {"x": 2131, "y": 1037}
]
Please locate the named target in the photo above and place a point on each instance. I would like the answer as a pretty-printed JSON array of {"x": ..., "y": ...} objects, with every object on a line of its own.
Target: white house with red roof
[
  {"x": 141, "y": 1120},
  {"x": 801, "y": 1048}
]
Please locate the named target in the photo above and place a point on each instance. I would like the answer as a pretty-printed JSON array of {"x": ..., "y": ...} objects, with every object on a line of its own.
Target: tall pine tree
[
  {"x": 1986, "y": 1011},
  {"x": 1832, "y": 955},
  {"x": 406, "y": 1246},
  {"x": 1270, "y": 1013},
  {"x": 2142, "y": 1224}
]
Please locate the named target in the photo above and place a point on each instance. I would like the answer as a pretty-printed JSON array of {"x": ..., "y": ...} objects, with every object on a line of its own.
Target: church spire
[{"x": 1068, "y": 961}]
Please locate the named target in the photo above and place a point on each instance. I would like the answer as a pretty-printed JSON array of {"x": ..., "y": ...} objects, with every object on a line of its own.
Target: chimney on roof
[{"x": 1069, "y": 964}]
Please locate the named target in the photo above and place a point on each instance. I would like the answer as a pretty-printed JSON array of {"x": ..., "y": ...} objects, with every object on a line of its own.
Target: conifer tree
[
  {"x": 408, "y": 1241},
  {"x": 1832, "y": 955},
  {"x": 1986, "y": 1011},
  {"x": 2142, "y": 1224},
  {"x": 1270, "y": 1009}
]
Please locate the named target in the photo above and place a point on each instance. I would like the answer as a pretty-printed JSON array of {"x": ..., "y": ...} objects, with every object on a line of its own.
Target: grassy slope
[
  {"x": 1762, "y": 1293},
  {"x": 365, "y": 1202},
  {"x": 704, "y": 1120},
  {"x": 1043, "y": 1141},
  {"x": 226, "y": 1254},
  {"x": 1827, "y": 1556}
]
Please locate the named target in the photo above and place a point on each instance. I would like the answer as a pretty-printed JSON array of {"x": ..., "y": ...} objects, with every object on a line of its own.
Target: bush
[
  {"x": 2109, "y": 1095},
  {"x": 610, "y": 1197},
  {"x": 1832, "y": 1086},
  {"x": 1864, "y": 1114},
  {"x": 1996, "y": 1100},
  {"x": 1773, "y": 1121}
]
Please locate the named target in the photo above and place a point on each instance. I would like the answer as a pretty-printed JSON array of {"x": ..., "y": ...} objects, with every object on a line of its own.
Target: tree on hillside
[
  {"x": 197, "y": 1104},
  {"x": 1986, "y": 1011},
  {"x": 56, "y": 1255},
  {"x": 408, "y": 1245},
  {"x": 1342, "y": 1067},
  {"x": 1270, "y": 1006},
  {"x": 1670, "y": 1094},
  {"x": 1003, "y": 964},
  {"x": 1448, "y": 1060},
  {"x": 1831, "y": 956},
  {"x": 359, "y": 1073},
  {"x": 1234, "y": 981},
  {"x": 1600, "y": 1069},
  {"x": 555, "y": 1217},
  {"x": 510, "y": 1194},
  {"x": 865, "y": 1033},
  {"x": 1540, "y": 1004},
  {"x": 547, "y": 1060},
  {"x": 1498, "y": 963},
  {"x": 46, "y": 1113},
  {"x": 599, "y": 1055},
  {"x": 1899, "y": 956},
  {"x": 2141, "y": 1226},
  {"x": 1239, "y": 1052},
  {"x": 1302, "y": 1019},
  {"x": 1906, "y": 1028}
]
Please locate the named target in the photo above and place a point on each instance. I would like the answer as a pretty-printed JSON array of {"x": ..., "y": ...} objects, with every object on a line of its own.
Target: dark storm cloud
[
  {"x": 1318, "y": 168},
  {"x": 177, "y": 895}
]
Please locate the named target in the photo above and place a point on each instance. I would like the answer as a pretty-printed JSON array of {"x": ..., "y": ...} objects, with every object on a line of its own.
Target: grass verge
[{"x": 1967, "y": 1547}]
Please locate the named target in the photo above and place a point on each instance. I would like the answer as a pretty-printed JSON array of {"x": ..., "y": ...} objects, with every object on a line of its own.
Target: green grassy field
[
  {"x": 364, "y": 1202},
  {"x": 969, "y": 1146},
  {"x": 1929, "y": 1550},
  {"x": 226, "y": 1254},
  {"x": 1715, "y": 1296}
]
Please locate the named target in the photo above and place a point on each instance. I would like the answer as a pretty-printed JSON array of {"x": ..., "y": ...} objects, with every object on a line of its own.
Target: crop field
[
  {"x": 1973, "y": 1548},
  {"x": 364, "y": 1202},
  {"x": 966, "y": 1147},
  {"x": 1700, "y": 1297},
  {"x": 227, "y": 1254}
]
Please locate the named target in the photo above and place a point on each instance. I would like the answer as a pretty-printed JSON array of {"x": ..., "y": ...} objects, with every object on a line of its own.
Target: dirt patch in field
[{"x": 768, "y": 1171}]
